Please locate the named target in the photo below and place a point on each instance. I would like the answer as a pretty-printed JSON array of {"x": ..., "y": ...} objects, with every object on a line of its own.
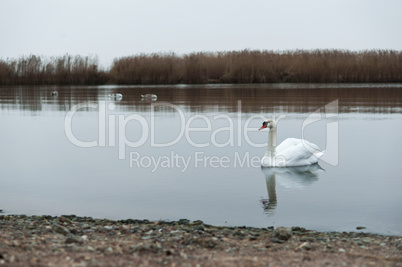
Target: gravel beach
[{"x": 83, "y": 241}]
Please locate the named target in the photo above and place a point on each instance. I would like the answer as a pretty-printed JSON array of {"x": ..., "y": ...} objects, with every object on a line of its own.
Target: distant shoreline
[{"x": 234, "y": 67}]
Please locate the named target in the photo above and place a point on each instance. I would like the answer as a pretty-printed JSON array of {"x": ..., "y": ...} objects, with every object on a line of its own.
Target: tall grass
[
  {"x": 321, "y": 66},
  {"x": 247, "y": 66},
  {"x": 63, "y": 70}
]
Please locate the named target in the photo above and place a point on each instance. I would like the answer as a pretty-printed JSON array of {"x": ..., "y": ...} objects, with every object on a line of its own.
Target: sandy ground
[{"x": 82, "y": 241}]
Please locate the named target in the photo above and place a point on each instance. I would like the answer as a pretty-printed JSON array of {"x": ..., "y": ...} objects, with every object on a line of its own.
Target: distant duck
[
  {"x": 149, "y": 96},
  {"x": 116, "y": 96},
  {"x": 54, "y": 93}
]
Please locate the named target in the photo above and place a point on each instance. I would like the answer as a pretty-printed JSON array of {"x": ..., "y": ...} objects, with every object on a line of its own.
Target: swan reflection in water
[{"x": 290, "y": 177}]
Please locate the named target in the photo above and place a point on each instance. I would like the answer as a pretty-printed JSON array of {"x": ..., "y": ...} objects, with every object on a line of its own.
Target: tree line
[{"x": 247, "y": 66}]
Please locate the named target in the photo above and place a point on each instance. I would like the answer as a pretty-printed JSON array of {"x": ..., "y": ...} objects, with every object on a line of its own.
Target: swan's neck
[{"x": 271, "y": 148}]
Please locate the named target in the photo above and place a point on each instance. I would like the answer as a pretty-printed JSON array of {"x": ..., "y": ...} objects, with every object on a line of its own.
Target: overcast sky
[{"x": 112, "y": 29}]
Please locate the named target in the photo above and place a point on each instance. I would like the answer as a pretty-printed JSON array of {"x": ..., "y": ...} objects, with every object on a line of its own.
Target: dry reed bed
[
  {"x": 63, "y": 70},
  {"x": 247, "y": 66}
]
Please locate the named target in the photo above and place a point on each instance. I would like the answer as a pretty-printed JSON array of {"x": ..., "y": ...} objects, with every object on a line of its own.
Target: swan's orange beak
[{"x": 263, "y": 127}]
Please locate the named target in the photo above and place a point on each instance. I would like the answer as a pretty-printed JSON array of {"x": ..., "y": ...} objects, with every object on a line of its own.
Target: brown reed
[
  {"x": 63, "y": 70},
  {"x": 247, "y": 66}
]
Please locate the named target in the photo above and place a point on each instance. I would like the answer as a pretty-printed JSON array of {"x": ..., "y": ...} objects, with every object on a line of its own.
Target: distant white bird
[
  {"x": 54, "y": 93},
  {"x": 117, "y": 97},
  {"x": 291, "y": 152},
  {"x": 149, "y": 96}
]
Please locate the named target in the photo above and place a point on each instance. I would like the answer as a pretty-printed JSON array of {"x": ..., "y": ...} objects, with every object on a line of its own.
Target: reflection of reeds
[
  {"x": 322, "y": 66},
  {"x": 247, "y": 99}
]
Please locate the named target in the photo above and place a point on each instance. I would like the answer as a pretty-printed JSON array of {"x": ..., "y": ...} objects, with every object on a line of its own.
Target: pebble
[
  {"x": 298, "y": 229},
  {"x": 171, "y": 240},
  {"x": 65, "y": 220},
  {"x": 61, "y": 229},
  {"x": 199, "y": 228},
  {"x": 252, "y": 237},
  {"x": 304, "y": 245},
  {"x": 282, "y": 233},
  {"x": 276, "y": 240},
  {"x": 109, "y": 250},
  {"x": 74, "y": 239},
  {"x": 108, "y": 227},
  {"x": 183, "y": 221}
]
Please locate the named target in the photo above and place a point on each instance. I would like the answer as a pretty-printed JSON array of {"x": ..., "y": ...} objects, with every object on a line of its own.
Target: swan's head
[{"x": 268, "y": 124}]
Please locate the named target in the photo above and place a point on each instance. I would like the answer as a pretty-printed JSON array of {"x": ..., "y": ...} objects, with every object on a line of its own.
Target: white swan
[
  {"x": 291, "y": 152},
  {"x": 117, "y": 96},
  {"x": 149, "y": 96}
]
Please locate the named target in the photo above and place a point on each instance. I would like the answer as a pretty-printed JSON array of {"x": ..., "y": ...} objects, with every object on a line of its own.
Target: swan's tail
[{"x": 319, "y": 154}]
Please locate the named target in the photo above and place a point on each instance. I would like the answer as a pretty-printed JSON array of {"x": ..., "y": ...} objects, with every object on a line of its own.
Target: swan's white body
[
  {"x": 116, "y": 96},
  {"x": 291, "y": 152},
  {"x": 149, "y": 96}
]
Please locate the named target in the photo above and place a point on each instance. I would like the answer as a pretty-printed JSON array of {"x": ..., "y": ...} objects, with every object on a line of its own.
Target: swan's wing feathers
[
  {"x": 311, "y": 146},
  {"x": 297, "y": 152},
  {"x": 319, "y": 154},
  {"x": 288, "y": 143}
]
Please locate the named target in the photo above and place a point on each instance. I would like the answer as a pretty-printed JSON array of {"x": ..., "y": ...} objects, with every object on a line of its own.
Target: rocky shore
[{"x": 83, "y": 241}]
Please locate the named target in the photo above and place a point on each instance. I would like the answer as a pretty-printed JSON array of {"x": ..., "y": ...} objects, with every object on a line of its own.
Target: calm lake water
[{"x": 194, "y": 153}]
